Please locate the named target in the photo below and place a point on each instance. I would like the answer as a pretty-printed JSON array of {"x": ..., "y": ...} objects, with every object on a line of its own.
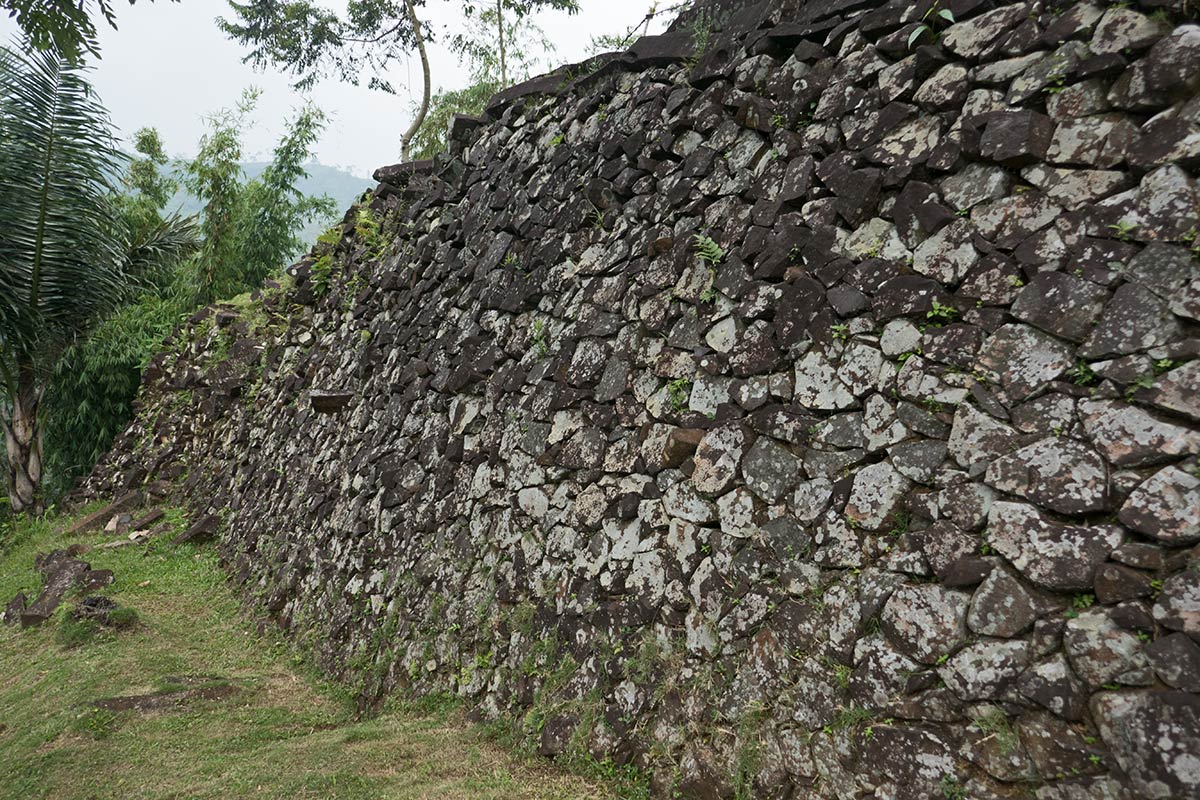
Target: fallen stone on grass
[
  {"x": 118, "y": 543},
  {"x": 144, "y": 522},
  {"x": 119, "y": 523},
  {"x": 96, "y": 518},
  {"x": 14, "y": 609},
  {"x": 61, "y": 571},
  {"x": 104, "y": 611},
  {"x": 201, "y": 531}
]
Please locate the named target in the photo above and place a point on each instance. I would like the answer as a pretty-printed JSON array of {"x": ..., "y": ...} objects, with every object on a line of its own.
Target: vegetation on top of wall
[{"x": 246, "y": 232}]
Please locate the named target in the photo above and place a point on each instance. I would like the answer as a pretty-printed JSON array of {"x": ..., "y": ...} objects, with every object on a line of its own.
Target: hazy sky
[{"x": 168, "y": 65}]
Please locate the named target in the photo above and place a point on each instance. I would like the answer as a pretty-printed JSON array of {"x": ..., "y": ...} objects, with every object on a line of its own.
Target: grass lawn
[{"x": 284, "y": 734}]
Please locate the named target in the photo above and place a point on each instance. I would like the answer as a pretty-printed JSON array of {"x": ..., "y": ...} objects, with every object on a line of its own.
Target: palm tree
[{"x": 67, "y": 256}]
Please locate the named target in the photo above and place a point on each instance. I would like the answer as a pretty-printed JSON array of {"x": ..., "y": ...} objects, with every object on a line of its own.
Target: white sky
[{"x": 168, "y": 65}]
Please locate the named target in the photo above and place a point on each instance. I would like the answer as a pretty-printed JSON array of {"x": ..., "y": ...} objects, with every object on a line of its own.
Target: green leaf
[{"x": 61, "y": 260}]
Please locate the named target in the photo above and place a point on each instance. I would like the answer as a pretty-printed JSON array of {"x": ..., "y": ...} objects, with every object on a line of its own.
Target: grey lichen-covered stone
[
  {"x": 811, "y": 499},
  {"x": 899, "y": 336},
  {"x": 984, "y": 670},
  {"x": 945, "y": 88},
  {"x": 1166, "y": 205},
  {"x": 910, "y": 763},
  {"x": 877, "y": 492},
  {"x": 1173, "y": 63},
  {"x": 1123, "y": 29},
  {"x": 926, "y": 622},
  {"x": 975, "y": 37},
  {"x": 1102, "y": 652},
  {"x": 717, "y": 459},
  {"x": 1076, "y": 188},
  {"x": 881, "y": 426},
  {"x": 921, "y": 380},
  {"x": 1165, "y": 506},
  {"x": 818, "y": 386},
  {"x": 875, "y": 238},
  {"x": 737, "y": 513},
  {"x": 1081, "y": 99},
  {"x": 839, "y": 545},
  {"x": 1129, "y": 437},
  {"x": 682, "y": 501},
  {"x": 770, "y": 469},
  {"x": 1163, "y": 268},
  {"x": 995, "y": 752},
  {"x": 948, "y": 255},
  {"x": 1178, "y": 390},
  {"x": 1011, "y": 220},
  {"x": 1056, "y": 556},
  {"x": 1092, "y": 787},
  {"x": 1053, "y": 684},
  {"x": 1098, "y": 141},
  {"x": 908, "y": 145},
  {"x": 1001, "y": 606},
  {"x": 1060, "y": 304},
  {"x": 918, "y": 461},
  {"x": 1057, "y": 473},
  {"x": 1115, "y": 583},
  {"x": 1025, "y": 358},
  {"x": 975, "y": 184},
  {"x": 1057, "y": 749},
  {"x": 1178, "y": 603},
  {"x": 1186, "y": 302},
  {"x": 861, "y": 368},
  {"x": 1154, "y": 737},
  {"x": 1176, "y": 661},
  {"x": 965, "y": 504},
  {"x": 945, "y": 545},
  {"x": 976, "y": 439},
  {"x": 1135, "y": 319}
]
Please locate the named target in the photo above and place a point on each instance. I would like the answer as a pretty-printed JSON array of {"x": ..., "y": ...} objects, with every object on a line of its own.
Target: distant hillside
[{"x": 342, "y": 186}]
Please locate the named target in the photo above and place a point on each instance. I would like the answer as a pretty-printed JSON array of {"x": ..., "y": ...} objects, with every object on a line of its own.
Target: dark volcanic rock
[
  {"x": 1155, "y": 737},
  {"x": 60, "y": 573}
]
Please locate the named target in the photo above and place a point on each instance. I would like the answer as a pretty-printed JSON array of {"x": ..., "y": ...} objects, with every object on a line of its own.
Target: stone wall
[{"x": 805, "y": 408}]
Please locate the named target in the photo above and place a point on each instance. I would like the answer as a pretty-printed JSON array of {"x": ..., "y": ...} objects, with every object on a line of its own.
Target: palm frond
[
  {"x": 60, "y": 264},
  {"x": 153, "y": 251}
]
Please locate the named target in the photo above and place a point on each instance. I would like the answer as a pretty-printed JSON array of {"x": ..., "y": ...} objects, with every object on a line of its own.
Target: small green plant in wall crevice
[
  {"x": 707, "y": 249},
  {"x": 941, "y": 314},
  {"x": 678, "y": 392},
  {"x": 936, "y": 15},
  {"x": 368, "y": 231},
  {"x": 1123, "y": 230},
  {"x": 539, "y": 334},
  {"x": 1082, "y": 374}
]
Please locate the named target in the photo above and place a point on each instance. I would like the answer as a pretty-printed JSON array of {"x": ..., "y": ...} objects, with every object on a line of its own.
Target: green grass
[{"x": 286, "y": 734}]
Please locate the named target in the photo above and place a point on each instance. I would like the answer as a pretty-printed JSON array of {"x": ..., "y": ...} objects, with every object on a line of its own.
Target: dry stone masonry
[{"x": 804, "y": 403}]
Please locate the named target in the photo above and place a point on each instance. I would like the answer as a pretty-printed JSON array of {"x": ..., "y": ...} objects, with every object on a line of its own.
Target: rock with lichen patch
[{"x": 1053, "y": 555}]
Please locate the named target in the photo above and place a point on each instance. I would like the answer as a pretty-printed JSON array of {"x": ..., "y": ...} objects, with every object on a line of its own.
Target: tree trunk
[
  {"x": 406, "y": 142},
  {"x": 23, "y": 439},
  {"x": 500, "y": 29}
]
